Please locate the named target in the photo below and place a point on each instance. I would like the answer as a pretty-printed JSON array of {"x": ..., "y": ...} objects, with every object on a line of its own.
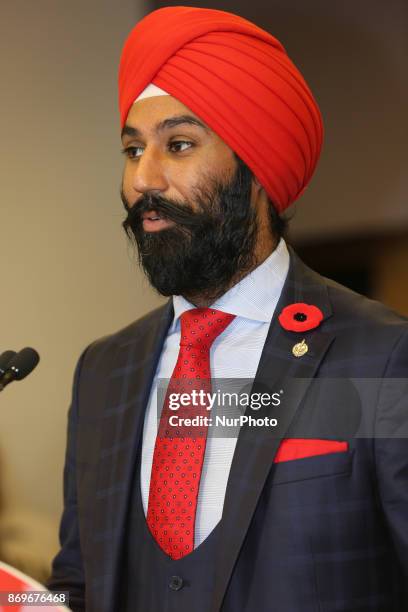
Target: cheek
[
  {"x": 183, "y": 185},
  {"x": 126, "y": 176},
  {"x": 127, "y": 185},
  {"x": 181, "y": 180}
]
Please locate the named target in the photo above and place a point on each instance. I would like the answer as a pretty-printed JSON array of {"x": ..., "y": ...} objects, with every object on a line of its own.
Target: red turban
[{"x": 239, "y": 80}]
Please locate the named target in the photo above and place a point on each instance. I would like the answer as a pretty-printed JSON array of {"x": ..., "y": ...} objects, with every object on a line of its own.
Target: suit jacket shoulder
[
  {"x": 102, "y": 349},
  {"x": 362, "y": 326},
  {"x": 367, "y": 324}
]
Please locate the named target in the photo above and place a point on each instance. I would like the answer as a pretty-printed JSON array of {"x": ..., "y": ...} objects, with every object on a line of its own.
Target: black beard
[{"x": 209, "y": 246}]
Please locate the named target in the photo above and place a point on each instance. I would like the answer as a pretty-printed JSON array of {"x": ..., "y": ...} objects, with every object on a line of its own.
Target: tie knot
[{"x": 201, "y": 326}]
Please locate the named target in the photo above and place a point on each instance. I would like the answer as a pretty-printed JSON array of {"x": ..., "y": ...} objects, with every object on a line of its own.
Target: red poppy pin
[{"x": 300, "y": 317}]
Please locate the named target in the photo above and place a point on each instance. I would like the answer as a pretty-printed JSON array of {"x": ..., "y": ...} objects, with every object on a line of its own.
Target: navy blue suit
[{"x": 326, "y": 533}]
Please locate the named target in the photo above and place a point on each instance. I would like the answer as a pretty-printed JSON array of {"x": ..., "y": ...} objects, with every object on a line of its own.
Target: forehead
[{"x": 146, "y": 113}]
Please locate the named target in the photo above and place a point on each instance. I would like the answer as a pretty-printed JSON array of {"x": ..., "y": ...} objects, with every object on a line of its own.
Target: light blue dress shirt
[{"x": 234, "y": 354}]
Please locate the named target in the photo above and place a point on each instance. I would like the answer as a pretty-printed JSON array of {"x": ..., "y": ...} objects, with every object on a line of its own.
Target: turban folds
[{"x": 239, "y": 80}]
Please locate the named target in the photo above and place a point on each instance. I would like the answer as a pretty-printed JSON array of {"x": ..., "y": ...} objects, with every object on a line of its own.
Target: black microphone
[
  {"x": 5, "y": 358},
  {"x": 20, "y": 366}
]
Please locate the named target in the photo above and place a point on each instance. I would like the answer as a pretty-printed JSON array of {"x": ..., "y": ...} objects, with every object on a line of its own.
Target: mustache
[{"x": 181, "y": 213}]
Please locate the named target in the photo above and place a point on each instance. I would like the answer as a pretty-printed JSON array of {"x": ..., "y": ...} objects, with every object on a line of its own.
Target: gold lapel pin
[{"x": 300, "y": 349}]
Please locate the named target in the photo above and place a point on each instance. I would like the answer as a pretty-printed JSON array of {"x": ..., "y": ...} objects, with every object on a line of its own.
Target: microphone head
[
  {"x": 23, "y": 362},
  {"x": 5, "y": 359}
]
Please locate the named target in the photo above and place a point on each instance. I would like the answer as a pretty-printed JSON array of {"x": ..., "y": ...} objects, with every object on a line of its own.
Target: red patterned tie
[{"x": 178, "y": 452}]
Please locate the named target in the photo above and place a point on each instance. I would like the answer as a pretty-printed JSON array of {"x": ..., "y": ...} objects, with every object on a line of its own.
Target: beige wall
[{"x": 68, "y": 276}]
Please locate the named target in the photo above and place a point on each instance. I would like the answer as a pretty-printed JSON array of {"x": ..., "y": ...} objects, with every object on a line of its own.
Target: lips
[
  {"x": 152, "y": 215},
  {"x": 153, "y": 222}
]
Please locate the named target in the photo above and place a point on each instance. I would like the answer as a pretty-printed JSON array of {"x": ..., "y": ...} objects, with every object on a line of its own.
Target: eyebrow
[{"x": 171, "y": 122}]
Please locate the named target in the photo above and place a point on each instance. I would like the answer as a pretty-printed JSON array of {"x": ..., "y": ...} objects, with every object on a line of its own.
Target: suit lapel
[
  {"x": 128, "y": 390},
  {"x": 257, "y": 446}
]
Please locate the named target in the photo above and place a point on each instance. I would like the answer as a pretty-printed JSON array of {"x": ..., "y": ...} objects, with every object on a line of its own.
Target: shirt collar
[{"x": 256, "y": 295}]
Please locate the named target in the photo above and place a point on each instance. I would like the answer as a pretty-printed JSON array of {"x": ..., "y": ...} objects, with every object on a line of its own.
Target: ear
[{"x": 256, "y": 186}]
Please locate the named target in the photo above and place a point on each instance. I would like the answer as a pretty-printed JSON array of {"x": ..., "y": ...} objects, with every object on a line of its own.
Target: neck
[{"x": 205, "y": 299}]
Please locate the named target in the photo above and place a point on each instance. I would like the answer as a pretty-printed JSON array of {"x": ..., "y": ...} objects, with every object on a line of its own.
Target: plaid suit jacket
[{"x": 320, "y": 533}]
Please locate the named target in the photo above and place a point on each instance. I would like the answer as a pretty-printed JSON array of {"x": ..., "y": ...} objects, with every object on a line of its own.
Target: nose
[{"x": 149, "y": 173}]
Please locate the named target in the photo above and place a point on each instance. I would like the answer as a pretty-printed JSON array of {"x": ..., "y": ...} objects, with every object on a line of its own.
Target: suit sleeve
[
  {"x": 391, "y": 448},
  {"x": 67, "y": 572}
]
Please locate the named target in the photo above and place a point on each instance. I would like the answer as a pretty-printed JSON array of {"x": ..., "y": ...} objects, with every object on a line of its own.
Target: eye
[
  {"x": 132, "y": 152},
  {"x": 178, "y": 146}
]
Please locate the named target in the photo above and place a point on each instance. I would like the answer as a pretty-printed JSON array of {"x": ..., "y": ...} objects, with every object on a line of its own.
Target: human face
[
  {"x": 169, "y": 152},
  {"x": 189, "y": 201}
]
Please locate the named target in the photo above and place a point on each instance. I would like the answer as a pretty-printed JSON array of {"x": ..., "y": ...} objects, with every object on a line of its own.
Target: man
[{"x": 220, "y": 135}]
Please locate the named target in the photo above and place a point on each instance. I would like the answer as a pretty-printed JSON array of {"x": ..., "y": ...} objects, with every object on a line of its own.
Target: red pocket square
[{"x": 299, "y": 448}]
